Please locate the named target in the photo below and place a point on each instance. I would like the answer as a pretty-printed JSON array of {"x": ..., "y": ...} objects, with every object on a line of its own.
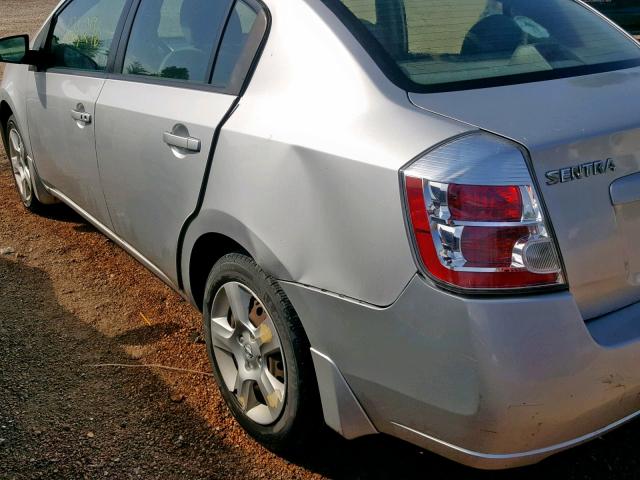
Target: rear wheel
[
  {"x": 260, "y": 354},
  {"x": 20, "y": 167}
]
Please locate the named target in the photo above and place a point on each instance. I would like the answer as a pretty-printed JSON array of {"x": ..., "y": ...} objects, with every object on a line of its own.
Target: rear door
[
  {"x": 181, "y": 71},
  {"x": 61, "y": 100}
]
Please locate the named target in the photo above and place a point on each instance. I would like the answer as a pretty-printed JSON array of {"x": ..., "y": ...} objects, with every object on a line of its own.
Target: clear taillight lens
[{"x": 476, "y": 219}]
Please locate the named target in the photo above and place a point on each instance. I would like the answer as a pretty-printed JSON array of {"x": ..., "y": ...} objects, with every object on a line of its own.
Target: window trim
[
  {"x": 250, "y": 56},
  {"x": 45, "y": 47},
  {"x": 394, "y": 73},
  {"x": 216, "y": 50}
]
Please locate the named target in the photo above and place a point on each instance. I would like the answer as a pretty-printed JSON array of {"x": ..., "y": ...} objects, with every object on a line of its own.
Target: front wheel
[
  {"x": 20, "y": 167},
  {"x": 260, "y": 354}
]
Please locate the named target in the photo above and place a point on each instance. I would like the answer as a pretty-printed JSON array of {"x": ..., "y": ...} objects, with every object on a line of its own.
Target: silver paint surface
[{"x": 305, "y": 177}]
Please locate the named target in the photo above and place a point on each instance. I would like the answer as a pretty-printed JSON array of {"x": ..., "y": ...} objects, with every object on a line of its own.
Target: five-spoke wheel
[
  {"x": 248, "y": 351},
  {"x": 260, "y": 354},
  {"x": 19, "y": 164},
  {"x": 30, "y": 188}
]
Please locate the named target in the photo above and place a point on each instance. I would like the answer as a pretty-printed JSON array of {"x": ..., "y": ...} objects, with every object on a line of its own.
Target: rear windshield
[{"x": 439, "y": 45}]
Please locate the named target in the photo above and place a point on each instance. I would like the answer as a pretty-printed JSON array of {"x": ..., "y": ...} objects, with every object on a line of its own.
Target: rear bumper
[
  {"x": 497, "y": 461},
  {"x": 492, "y": 383}
]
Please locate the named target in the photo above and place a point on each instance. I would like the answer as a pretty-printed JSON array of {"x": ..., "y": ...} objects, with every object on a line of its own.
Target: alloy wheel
[
  {"x": 248, "y": 352},
  {"x": 21, "y": 172}
]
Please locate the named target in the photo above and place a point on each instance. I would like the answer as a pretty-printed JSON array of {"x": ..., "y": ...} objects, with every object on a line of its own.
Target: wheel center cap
[{"x": 248, "y": 352}]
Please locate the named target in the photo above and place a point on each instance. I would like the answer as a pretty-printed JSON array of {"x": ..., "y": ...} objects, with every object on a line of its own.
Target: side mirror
[{"x": 16, "y": 50}]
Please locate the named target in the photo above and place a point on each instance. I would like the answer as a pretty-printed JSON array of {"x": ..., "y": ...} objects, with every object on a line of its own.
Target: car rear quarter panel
[{"x": 307, "y": 166}]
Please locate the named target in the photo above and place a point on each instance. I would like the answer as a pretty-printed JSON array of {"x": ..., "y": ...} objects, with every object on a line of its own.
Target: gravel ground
[{"x": 70, "y": 300}]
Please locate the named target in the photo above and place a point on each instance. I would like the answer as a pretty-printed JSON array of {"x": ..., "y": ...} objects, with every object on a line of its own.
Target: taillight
[
  {"x": 476, "y": 219},
  {"x": 484, "y": 203}
]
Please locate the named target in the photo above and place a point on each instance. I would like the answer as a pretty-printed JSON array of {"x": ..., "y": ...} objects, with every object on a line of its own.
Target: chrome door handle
[
  {"x": 79, "y": 116},
  {"x": 185, "y": 143}
]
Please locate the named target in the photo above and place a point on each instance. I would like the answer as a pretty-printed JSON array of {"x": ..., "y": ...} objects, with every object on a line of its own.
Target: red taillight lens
[
  {"x": 485, "y": 203},
  {"x": 491, "y": 246},
  {"x": 417, "y": 206}
]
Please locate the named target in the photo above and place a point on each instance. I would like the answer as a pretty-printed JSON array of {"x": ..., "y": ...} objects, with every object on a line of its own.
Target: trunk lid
[{"x": 575, "y": 123}]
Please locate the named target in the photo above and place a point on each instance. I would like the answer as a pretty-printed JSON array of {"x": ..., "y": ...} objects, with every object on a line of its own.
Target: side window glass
[
  {"x": 239, "y": 44},
  {"x": 174, "y": 39},
  {"x": 83, "y": 34}
]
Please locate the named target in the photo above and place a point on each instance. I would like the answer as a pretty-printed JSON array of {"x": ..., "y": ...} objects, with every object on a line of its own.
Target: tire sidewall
[{"x": 242, "y": 269}]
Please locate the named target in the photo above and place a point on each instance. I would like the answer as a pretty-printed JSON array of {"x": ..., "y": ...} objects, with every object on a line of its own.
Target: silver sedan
[{"x": 410, "y": 217}]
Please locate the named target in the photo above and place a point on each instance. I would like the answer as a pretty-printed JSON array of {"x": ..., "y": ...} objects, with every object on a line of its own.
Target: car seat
[{"x": 496, "y": 35}]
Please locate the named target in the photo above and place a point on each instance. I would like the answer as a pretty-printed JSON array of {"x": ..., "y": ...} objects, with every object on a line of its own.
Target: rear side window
[
  {"x": 238, "y": 47},
  {"x": 83, "y": 34},
  {"x": 439, "y": 45},
  {"x": 175, "y": 39}
]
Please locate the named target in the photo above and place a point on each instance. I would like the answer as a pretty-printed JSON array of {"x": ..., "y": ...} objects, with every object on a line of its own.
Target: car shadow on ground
[
  {"x": 147, "y": 334},
  {"x": 63, "y": 213},
  {"x": 61, "y": 418},
  {"x": 380, "y": 456}
]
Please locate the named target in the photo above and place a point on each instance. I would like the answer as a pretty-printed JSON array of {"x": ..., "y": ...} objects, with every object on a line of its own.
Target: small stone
[
  {"x": 177, "y": 397},
  {"x": 7, "y": 251},
  {"x": 3, "y": 441},
  {"x": 90, "y": 435},
  {"x": 179, "y": 441},
  {"x": 197, "y": 338}
]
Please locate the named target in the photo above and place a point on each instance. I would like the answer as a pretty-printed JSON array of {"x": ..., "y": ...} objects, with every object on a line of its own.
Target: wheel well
[
  {"x": 5, "y": 114},
  {"x": 206, "y": 252}
]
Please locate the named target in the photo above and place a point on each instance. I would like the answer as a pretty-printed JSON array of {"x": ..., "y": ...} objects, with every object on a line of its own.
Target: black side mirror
[{"x": 16, "y": 50}]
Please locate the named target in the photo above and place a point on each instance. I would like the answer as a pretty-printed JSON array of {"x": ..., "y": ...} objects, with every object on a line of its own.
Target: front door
[
  {"x": 158, "y": 120},
  {"x": 61, "y": 100}
]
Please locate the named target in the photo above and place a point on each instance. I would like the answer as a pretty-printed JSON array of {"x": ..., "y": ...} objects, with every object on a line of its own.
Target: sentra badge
[{"x": 580, "y": 172}]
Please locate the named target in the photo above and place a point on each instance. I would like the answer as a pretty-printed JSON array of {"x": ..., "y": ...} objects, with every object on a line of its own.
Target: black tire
[
  {"x": 301, "y": 415},
  {"x": 31, "y": 203}
]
